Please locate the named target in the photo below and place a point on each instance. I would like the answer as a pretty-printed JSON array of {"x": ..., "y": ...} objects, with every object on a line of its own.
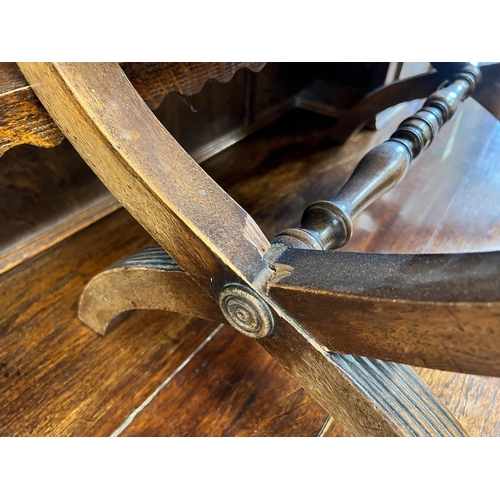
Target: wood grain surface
[
  {"x": 233, "y": 396},
  {"x": 280, "y": 170},
  {"x": 45, "y": 196}
]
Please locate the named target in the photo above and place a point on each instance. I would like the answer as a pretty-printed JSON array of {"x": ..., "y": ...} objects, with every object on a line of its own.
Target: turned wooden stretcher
[{"x": 343, "y": 324}]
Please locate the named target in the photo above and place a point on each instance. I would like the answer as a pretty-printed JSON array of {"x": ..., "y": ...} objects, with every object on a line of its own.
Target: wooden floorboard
[
  {"x": 231, "y": 388},
  {"x": 57, "y": 377},
  {"x": 155, "y": 373}
]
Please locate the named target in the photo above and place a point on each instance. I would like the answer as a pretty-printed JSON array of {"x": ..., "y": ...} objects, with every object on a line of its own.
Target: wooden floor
[{"x": 162, "y": 374}]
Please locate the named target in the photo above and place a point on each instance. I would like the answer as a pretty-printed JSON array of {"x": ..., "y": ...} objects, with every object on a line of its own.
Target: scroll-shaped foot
[{"x": 146, "y": 279}]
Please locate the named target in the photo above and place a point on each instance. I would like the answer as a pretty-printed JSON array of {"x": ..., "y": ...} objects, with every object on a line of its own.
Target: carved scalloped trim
[
  {"x": 184, "y": 78},
  {"x": 23, "y": 119}
]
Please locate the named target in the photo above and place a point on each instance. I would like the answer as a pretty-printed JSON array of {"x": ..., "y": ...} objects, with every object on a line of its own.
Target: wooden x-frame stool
[{"x": 345, "y": 325}]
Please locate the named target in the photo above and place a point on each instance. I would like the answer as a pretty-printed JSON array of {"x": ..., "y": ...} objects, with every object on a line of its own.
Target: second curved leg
[{"x": 146, "y": 279}]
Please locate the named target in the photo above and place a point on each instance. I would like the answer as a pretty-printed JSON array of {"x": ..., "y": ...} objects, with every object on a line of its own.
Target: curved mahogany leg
[
  {"x": 435, "y": 311},
  {"x": 147, "y": 279}
]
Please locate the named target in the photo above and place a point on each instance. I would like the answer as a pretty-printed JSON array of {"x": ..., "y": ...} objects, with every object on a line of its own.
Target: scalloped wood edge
[{"x": 24, "y": 120}]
